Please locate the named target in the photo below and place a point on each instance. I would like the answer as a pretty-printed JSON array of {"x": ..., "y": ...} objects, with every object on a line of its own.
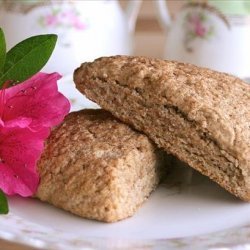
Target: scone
[
  {"x": 97, "y": 167},
  {"x": 199, "y": 115}
]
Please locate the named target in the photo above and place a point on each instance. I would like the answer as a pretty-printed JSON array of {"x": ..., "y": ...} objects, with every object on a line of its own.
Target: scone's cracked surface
[
  {"x": 98, "y": 168},
  {"x": 199, "y": 115}
]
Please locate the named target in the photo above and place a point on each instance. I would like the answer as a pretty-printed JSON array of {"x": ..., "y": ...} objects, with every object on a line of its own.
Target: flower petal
[
  {"x": 11, "y": 183},
  {"x": 37, "y": 98},
  {"x": 21, "y": 122},
  {"x": 20, "y": 149}
]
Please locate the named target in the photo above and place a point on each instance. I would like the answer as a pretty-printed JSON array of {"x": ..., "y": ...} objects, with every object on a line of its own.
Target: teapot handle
[
  {"x": 132, "y": 11},
  {"x": 163, "y": 13}
]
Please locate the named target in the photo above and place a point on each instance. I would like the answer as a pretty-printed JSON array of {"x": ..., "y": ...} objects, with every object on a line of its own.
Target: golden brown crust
[
  {"x": 96, "y": 167},
  {"x": 206, "y": 106}
]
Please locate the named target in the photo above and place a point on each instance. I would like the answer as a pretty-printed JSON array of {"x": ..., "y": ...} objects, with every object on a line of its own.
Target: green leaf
[
  {"x": 4, "y": 208},
  {"x": 2, "y": 49},
  {"x": 27, "y": 58}
]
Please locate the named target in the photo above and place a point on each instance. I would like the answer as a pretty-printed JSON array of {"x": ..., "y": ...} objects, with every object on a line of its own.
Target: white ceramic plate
[
  {"x": 187, "y": 211},
  {"x": 183, "y": 213}
]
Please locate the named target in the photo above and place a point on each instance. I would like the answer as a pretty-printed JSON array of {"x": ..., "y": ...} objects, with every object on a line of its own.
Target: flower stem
[{"x": 4, "y": 208}]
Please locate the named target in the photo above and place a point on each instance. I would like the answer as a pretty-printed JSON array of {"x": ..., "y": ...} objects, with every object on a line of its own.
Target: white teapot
[
  {"x": 211, "y": 34},
  {"x": 86, "y": 29}
]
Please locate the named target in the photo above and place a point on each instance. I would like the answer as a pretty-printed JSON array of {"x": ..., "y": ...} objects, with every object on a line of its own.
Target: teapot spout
[
  {"x": 132, "y": 10},
  {"x": 163, "y": 13}
]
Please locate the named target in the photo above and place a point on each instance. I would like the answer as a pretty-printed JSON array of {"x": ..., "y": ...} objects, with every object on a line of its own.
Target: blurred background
[
  {"x": 150, "y": 35},
  {"x": 209, "y": 33}
]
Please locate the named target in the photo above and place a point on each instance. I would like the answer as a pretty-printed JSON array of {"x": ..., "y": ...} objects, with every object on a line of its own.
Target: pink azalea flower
[
  {"x": 20, "y": 149},
  {"x": 27, "y": 112}
]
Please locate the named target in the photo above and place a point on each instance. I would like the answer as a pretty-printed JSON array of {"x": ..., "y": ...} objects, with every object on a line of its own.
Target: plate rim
[{"x": 22, "y": 231}]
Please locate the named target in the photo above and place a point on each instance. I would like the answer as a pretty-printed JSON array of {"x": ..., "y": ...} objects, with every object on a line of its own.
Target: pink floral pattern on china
[
  {"x": 197, "y": 25},
  {"x": 62, "y": 18}
]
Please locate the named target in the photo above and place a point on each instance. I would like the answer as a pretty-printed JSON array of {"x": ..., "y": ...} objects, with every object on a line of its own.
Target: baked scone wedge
[
  {"x": 199, "y": 115},
  {"x": 97, "y": 167}
]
